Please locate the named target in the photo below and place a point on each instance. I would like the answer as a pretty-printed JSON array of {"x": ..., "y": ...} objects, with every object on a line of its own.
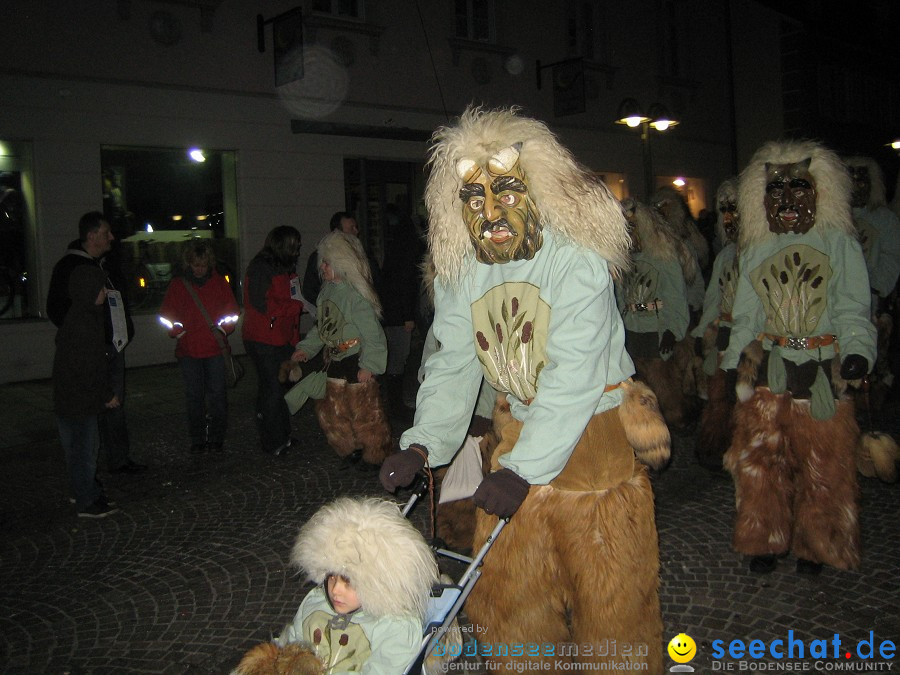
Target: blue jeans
[
  {"x": 273, "y": 420},
  {"x": 114, "y": 442},
  {"x": 204, "y": 388},
  {"x": 80, "y": 439}
]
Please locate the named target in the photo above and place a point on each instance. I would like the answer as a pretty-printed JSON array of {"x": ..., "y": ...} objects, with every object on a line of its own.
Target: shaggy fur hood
[
  {"x": 347, "y": 258},
  {"x": 876, "y": 193},
  {"x": 832, "y": 189},
  {"x": 572, "y": 202},
  {"x": 387, "y": 560}
]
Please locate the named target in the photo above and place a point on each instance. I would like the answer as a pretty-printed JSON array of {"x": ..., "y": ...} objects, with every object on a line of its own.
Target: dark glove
[
  {"x": 400, "y": 469},
  {"x": 730, "y": 385},
  {"x": 667, "y": 342},
  {"x": 501, "y": 493},
  {"x": 854, "y": 367}
]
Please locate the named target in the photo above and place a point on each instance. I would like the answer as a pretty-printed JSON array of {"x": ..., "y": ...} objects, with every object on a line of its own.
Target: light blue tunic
[{"x": 580, "y": 349}]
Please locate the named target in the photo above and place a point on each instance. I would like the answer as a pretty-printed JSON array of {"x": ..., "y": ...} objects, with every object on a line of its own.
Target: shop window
[
  {"x": 157, "y": 201},
  {"x": 17, "y": 245}
]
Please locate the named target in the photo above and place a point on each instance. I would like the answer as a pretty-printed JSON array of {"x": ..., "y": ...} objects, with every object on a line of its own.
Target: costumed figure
[
  {"x": 676, "y": 214},
  {"x": 352, "y": 349},
  {"x": 714, "y": 330},
  {"x": 525, "y": 244},
  {"x": 373, "y": 574},
  {"x": 651, "y": 299},
  {"x": 879, "y": 233},
  {"x": 801, "y": 317}
]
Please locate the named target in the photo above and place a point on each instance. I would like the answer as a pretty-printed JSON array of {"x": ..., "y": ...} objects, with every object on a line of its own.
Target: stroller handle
[{"x": 419, "y": 487}]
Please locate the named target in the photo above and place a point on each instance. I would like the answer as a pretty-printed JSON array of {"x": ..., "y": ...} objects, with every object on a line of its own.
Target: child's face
[
  {"x": 341, "y": 594},
  {"x": 327, "y": 272}
]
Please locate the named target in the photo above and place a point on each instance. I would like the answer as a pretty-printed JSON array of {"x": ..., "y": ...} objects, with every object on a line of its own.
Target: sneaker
[
  {"x": 130, "y": 467},
  {"x": 763, "y": 564},
  {"x": 99, "y": 509},
  {"x": 72, "y": 500},
  {"x": 287, "y": 447},
  {"x": 808, "y": 567}
]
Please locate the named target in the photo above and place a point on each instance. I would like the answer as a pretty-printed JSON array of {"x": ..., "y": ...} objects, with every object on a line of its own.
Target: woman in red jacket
[
  {"x": 198, "y": 349},
  {"x": 271, "y": 328}
]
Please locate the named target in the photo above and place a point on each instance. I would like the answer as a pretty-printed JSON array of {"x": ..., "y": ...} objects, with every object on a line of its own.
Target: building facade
[{"x": 304, "y": 107}]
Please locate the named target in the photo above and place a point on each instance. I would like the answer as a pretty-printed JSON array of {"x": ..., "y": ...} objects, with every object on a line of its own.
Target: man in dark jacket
[
  {"x": 81, "y": 388},
  {"x": 312, "y": 284},
  {"x": 92, "y": 248}
]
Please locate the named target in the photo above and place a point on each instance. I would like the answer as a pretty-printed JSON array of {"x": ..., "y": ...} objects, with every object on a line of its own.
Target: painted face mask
[
  {"x": 728, "y": 208},
  {"x": 790, "y": 199},
  {"x": 862, "y": 185},
  {"x": 502, "y": 219}
]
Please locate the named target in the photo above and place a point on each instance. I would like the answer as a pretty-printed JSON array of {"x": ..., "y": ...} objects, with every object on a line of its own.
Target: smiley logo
[{"x": 682, "y": 648}]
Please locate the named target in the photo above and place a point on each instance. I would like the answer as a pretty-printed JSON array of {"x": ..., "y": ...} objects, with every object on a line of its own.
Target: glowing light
[
  {"x": 679, "y": 182},
  {"x": 895, "y": 145},
  {"x": 149, "y": 227},
  {"x": 633, "y": 121},
  {"x": 661, "y": 125},
  {"x": 228, "y": 278},
  {"x": 201, "y": 217},
  {"x": 142, "y": 282},
  {"x": 177, "y": 216},
  {"x": 197, "y": 155}
]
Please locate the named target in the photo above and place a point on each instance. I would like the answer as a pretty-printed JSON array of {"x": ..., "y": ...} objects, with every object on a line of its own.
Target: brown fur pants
[
  {"x": 716, "y": 423},
  {"x": 352, "y": 417},
  {"x": 795, "y": 480},
  {"x": 574, "y": 570},
  {"x": 664, "y": 378}
]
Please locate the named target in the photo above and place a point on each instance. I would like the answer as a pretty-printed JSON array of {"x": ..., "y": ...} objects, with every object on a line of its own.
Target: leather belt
[
  {"x": 645, "y": 306},
  {"x": 344, "y": 346},
  {"x": 790, "y": 342},
  {"x": 608, "y": 388}
]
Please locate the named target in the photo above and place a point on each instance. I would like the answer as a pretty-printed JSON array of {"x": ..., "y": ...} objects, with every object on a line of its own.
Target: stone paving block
[{"x": 194, "y": 569}]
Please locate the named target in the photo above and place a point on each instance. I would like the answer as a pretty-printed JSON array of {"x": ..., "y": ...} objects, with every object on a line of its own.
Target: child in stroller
[{"x": 373, "y": 573}]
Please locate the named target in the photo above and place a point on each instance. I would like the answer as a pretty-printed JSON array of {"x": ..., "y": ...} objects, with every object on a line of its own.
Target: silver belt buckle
[{"x": 796, "y": 343}]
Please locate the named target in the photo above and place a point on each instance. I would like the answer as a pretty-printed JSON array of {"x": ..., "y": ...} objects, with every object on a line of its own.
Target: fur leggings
[
  {"x": 573, "y": 571},
  {"x": 716, "y": 423},
  {"x": 795, "y": 480},
  {"x": 352, "y": 417},
  {"x": 665, "y": 379}
]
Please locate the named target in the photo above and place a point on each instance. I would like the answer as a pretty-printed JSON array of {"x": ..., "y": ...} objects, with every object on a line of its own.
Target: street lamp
[{"x": 631, "y": 115}]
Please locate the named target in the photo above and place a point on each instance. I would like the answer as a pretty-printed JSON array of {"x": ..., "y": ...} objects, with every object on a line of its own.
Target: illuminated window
[
  {"x": 17, "y": 244},
  {"x": 349, "y": 9},
  {"x": 475, "y": 20},
  {"x": 157, "y": 201}
]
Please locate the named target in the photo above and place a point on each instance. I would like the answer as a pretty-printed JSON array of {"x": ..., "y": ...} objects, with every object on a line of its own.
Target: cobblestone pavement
[{"x": 193, "y": 570}]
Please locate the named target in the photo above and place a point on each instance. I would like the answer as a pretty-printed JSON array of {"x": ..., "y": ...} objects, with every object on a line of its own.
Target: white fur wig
[
  {"x": 681, "y": 221},
  {"x": 345, "y": 253},
  {"x": 876, "y": 177},
  {"x": 659, "y": 240},
  {"x": 726, "y": 193},
  {"x": 832, "y": 184},
  {"x": 387, "y": 561},
  {"x": 571, "y": 201}
]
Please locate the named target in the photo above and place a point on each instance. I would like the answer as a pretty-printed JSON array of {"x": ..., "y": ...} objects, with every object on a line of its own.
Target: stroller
[{"x": 446, "y": 599}]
